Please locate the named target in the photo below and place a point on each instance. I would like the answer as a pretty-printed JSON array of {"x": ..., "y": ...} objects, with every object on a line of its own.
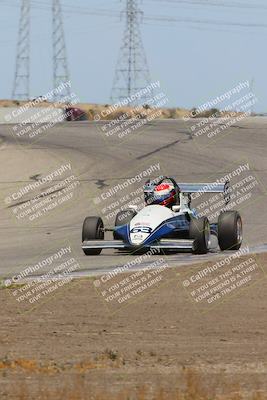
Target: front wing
[{"x": 163, "y": 244}]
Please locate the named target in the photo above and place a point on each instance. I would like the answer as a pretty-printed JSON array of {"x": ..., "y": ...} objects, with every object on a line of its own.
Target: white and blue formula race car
[{"x": 166, "y": 222}]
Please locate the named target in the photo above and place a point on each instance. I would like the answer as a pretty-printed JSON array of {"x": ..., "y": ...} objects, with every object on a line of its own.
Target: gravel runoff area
[{"x": 199, "y": 329}]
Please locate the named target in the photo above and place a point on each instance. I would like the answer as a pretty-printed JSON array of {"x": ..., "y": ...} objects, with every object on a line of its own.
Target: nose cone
[
  {"x": 138, "y": 238},
  {"x": 146, "y": 222}
]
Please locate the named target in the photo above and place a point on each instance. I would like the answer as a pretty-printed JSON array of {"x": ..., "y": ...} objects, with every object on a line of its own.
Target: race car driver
[{"x": 165, "y": 192}]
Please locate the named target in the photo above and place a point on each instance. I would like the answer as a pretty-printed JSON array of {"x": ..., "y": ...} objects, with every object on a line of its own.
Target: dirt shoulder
[{"x": 161, "y": 343}]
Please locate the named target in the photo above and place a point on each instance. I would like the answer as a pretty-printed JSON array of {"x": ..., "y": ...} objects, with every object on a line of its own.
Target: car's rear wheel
[
  {"x": 199, "y": 230},
  {"x": 122, "y": 218},
  {"x": 93, "y": 229},
  {"x": 230, "y": 232}
]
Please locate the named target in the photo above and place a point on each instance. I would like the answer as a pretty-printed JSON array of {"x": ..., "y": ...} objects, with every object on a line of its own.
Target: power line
[
  {"x": 67, "y": 9},
  {"x": 167, "y": 18},
  {"x": 212, "y": 3}
]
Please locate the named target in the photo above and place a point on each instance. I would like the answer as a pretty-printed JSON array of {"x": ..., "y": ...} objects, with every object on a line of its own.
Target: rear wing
[{"x": 201, "y": 188}]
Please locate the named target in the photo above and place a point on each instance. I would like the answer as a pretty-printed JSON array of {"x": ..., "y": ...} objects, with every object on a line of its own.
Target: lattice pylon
[
  {"x": 132, "y": 72},
  {"x": 21, "y": 86},
  {"x": 60, "y": 65}
]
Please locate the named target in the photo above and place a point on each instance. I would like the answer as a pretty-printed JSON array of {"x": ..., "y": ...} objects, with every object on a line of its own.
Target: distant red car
[{"x": 75, "y": 114}]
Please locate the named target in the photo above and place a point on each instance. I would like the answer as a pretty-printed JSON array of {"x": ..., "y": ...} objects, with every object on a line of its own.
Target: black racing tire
[
  {"x": 199, "y": 230},
  {"x": 230, "y": 230},
  {"x": 93, "y": 229},
  {"x": 122, "y": 218}
]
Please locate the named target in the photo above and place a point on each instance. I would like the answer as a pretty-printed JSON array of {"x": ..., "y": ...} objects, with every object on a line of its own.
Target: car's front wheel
[
  {"x": 93, "y": 229},
  {"x": 199, "y": 230}
]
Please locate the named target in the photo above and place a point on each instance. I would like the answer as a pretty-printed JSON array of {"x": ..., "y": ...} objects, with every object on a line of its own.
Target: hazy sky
[{"x": 194, "y": 62}]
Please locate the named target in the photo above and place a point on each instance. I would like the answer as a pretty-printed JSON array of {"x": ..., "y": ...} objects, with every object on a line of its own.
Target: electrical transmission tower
[
  {"x": 132, "y": 73},
  {"x": 21, "y": 87},
  {"x": 60, "y": 65}
]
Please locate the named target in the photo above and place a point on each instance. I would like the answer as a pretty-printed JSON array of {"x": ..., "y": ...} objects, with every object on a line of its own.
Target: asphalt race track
[{"x": 99, "y": 163}]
